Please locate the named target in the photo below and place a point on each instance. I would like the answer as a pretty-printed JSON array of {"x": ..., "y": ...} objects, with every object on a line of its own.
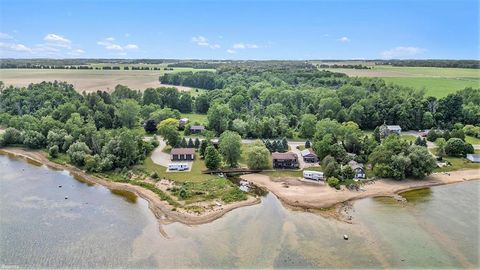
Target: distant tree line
[
  {"x": 432, "y": 63},
  {"x": 359, "y": 66},
  {"x": 196, "y": 65}
]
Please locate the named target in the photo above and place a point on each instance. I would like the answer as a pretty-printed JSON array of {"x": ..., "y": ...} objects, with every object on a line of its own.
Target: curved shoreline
[
  {"x": 162, "y": 210},
  {"x": 299, "y": 194}
]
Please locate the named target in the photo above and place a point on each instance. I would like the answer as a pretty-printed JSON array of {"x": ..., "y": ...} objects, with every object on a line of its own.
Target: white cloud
[
  {"x": 231, "y": 51},
  {"x": 200, "y": 41},
  {"x": 203, "y": 41},
  {"x": 108, "y": 44},
  {"x": 17, "y": 47},
  {"x": 5, "y": 36},
  {"x": 54, "y": 46},
  {"x": 245, "y": 46},
  {"x": 401, "y": 52},
  {"x": 344, "y": 39},
  {"x": 56, "y": 39}
]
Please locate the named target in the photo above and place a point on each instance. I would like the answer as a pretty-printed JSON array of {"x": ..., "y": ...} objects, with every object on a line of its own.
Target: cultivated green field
[
  {"x": 437, "y": 87},
  {"x": 437, "y": 82}
]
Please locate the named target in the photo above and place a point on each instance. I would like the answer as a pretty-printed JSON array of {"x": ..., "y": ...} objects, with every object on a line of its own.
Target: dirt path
[
  {"x": 164, "y": 212},
  {"x": 298, "y": 193}
]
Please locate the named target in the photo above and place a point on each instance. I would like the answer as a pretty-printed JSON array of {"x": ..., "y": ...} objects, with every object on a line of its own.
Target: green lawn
[
  {"x": 195, "y": 117},
  {"x": 435, "y": 86},
  {"x": 457, "y": 164},
  {"x": 195, "y": 174},
  {"x": 409, "y": 138},
  {"x": 472, "y": 140}
]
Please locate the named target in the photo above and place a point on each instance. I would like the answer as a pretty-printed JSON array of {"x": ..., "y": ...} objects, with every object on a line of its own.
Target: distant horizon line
[{"x": 218, "y": 59}]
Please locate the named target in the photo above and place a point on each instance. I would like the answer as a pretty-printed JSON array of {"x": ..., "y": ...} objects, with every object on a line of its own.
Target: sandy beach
[
  {"x": 161, "y": 209},
  {"x": 294, "y": 192}
]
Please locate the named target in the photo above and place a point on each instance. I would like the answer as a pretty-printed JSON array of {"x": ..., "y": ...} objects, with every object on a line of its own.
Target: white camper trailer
[
  {"x": 313, "y": 175},
  {"x": 177, "y": 167}
]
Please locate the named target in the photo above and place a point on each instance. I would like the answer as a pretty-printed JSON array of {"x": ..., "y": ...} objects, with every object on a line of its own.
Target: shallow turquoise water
[{"x": 97, "y": 228}]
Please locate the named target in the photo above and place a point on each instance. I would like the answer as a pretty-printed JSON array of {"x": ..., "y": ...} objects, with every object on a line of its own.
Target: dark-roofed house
[
  {"x": 358, "y": 169},
  {"x": 182, "y": 154},
  {"x": 196, "y": 129},
  {"x": 474, "y": 158},
  {"x": 309, "y": 156},
  {"x": 285, "y": 160}
]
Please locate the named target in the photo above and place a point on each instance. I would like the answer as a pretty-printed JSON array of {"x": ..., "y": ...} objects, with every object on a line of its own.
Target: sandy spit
[
  {"x": 294, "y": 192},
  {"x": 161, "y": 209}
]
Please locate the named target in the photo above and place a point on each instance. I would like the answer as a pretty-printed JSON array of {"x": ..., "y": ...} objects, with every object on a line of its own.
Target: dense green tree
[
  {"x": 230, "y": 147},
  {"x": 212, "y": 158},
  {"x": 127, "y": 112},
  {"x": 218, "y": 117},
  {"x": 258, "y": 156},
  {"x": 12, "y": 136},
  {"x": 185, "y": 103},
  {"x": 77, "y": 152},
  {"x": 34, "y": 139}
]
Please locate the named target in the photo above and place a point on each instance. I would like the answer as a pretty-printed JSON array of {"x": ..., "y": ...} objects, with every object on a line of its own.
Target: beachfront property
[
  {"x": 474, "y": 158},
  {"x": 182, "y": 154},
  {"x": 196, "y": 129},
  {"x": 309, "y": 155},
  {"x": 358, "y": 168},
  {"x": 386, "y": 130},
  {"x": 286, "y": 160}
]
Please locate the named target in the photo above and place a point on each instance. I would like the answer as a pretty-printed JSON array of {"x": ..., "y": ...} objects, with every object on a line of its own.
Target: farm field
[
  {"x": 90, "y": 80},
  {"x": 437, "y": 87},
  {"x": 438, "y": 82}
]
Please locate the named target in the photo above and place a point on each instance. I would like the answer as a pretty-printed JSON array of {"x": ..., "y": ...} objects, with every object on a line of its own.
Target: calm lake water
[{"x": 95, "y": 227}]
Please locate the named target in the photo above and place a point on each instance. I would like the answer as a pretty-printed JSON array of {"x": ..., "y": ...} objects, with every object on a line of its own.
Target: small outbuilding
[
  {"x": 358, "y": 168},
  {"x": 474, "y": 158},
  {"x": 309, "y": 156},
  {"x": 182, "y": 154},
  {"x": 196, "y": 129},
  {"x": 286, "y": 160}
]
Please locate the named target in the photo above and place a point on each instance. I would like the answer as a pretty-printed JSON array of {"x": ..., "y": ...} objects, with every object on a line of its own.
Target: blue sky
[{"x": 344, "y": 29}]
